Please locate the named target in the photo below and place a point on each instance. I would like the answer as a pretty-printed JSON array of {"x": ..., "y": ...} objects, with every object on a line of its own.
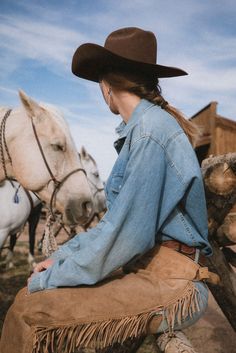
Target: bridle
[
  {"x": 57, "y": 183},
  {"x": 97, "y": 189}
]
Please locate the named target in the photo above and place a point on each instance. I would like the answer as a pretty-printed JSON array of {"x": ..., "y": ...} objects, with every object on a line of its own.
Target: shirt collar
[{"x": 123, "y": 128}]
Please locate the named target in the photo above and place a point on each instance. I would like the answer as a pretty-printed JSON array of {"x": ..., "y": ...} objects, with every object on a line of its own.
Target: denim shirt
[{"x": 154, "y": 193}]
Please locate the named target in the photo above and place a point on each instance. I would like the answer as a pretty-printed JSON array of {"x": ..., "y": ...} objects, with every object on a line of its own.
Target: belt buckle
[{"x": 196, "y": 257}]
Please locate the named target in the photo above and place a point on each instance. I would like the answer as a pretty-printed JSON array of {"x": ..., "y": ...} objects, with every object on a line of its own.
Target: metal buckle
[{"x": 197, "y": 254}]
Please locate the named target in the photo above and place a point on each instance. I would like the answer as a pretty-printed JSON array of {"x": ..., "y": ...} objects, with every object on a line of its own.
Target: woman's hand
[{"x": 42, "y": 266}]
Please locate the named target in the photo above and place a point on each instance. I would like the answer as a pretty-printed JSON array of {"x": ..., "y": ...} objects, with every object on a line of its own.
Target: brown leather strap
[
  {"x": 203, "y": 274},
  {"x": 57, "y": 187},
  {"x": 42, "y": 153},
  {"x": 186, "y": 250},
  {"x": 30, "y": 199}
]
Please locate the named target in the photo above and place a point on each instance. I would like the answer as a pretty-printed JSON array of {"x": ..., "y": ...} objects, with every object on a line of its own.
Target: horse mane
[{"x": 3, "y": 110}]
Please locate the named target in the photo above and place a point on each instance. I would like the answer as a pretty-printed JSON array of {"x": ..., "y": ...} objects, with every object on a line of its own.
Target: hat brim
[{"x": 90, "y": 60}]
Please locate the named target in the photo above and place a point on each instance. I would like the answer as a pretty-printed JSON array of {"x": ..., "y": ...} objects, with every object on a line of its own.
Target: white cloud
[
  {"x": 8, "y": 90},
  {"x": 50, "y": 45}
]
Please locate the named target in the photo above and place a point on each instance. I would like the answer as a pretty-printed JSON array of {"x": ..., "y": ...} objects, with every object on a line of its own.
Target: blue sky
[{"x": 38, "y": 39}]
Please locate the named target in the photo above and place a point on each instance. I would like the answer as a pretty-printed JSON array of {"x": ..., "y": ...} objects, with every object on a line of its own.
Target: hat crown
[{"x": 134, "y": 44}]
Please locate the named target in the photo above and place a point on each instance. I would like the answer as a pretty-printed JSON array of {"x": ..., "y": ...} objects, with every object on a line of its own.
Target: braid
[
  {"x": 149, "y": 89},
  {"x": 156, "y": 98},
  {"x": 189, "y": 128}
]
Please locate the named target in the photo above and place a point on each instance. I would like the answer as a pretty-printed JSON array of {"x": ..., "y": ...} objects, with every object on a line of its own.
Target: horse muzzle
[{"x": 78, "y": 212}]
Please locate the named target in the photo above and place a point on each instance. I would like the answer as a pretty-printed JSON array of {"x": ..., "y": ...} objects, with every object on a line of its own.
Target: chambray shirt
[{"x": 154, "y": 193}]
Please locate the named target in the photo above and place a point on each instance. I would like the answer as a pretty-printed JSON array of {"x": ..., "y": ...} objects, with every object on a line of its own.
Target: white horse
[
  {"x": 36, "y": 148},
  {"x": 95, "y": 182},
  {"x": 16, "y": 204}
]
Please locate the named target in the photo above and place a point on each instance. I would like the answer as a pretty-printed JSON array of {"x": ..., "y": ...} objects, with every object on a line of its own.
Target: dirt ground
[{"x": 211, "y": 334}]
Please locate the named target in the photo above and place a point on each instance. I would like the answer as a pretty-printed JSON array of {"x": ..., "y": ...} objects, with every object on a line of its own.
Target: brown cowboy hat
[{"x": 128, "y": 48}]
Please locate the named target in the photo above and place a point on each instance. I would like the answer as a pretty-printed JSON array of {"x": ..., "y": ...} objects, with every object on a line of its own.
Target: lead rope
[
  {"x": 49, "y": 244},
  {"x": 49, "y": 240}
]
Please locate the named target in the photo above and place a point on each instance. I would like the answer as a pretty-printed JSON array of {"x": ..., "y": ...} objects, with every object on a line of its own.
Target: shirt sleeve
[{"x": 127, "y": 229}]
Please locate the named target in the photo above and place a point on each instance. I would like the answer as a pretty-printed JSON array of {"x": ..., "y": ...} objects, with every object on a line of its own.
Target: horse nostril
[{"x": 87, "y": 207}]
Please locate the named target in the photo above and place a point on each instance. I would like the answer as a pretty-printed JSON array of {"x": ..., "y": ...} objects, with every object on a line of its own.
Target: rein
[
  {"x": 57, "y": 183},
  {"x": 3, "y": 143},
  {"x": 30, "y": 199}
]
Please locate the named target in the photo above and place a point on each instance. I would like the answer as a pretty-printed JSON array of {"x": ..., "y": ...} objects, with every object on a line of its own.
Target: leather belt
[{"x": 190, "y": 251}]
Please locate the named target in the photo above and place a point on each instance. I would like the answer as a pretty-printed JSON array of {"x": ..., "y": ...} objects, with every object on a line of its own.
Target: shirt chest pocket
[
  {"x": 113, "y": 188},
  {"x": 116, "y": 184}
]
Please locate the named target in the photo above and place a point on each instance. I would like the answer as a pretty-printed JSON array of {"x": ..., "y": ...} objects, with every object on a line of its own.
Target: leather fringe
[
  {"x": 101, "y": 334},
  {"x": 184, "y": 306}
]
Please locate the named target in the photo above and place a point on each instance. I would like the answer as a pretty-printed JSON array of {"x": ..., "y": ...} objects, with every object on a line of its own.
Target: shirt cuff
[{"x": 35, "y": 283}]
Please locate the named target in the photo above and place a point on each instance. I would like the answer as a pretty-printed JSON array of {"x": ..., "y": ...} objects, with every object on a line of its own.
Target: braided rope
[
  {"x": 3, "y": 143},
  {"x": 49, "y": 240}
]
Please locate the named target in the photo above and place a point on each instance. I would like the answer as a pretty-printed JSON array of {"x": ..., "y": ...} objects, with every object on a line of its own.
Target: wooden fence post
[{"x": 219, "y": 174}]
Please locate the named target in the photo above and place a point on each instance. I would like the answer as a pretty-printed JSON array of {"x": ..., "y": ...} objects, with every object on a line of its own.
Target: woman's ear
[{"x": 104, "y": 86}]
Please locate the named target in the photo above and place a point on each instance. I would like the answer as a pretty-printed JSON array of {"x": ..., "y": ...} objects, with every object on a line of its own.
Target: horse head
[
  {"x": 94, "y": 180},
  {"x": 43, "y": 158}
]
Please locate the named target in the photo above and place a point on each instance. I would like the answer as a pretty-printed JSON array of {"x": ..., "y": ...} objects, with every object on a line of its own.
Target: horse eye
[
  {"x": 57, "y": 147},
  {"x": 96, "y": 174}
]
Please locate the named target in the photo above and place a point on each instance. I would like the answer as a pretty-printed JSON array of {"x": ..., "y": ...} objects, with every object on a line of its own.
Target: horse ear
[
  {"x": 84, "y": 154},
  {"x": 32, "y": 108}
]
